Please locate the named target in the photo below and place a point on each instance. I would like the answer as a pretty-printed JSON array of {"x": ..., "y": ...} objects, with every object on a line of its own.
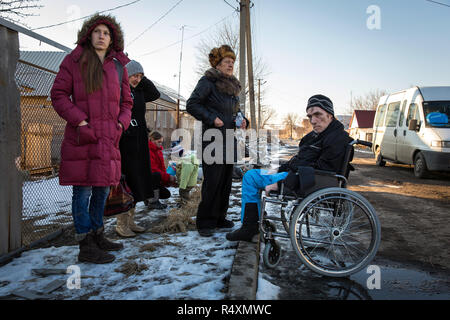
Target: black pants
[{"x": 216, "y": 190}]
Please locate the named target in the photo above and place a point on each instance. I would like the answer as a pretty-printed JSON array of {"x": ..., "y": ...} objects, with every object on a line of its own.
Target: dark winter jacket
[
  {"x": 134, "y": 150},
  {"x": 90, "y": 154},
  {"x": 215, "y": 96},
  {"x": 323, "y": 151}
]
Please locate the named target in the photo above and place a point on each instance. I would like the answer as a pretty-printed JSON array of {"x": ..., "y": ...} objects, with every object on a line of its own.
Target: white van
[{"x": 412, "y": 127}]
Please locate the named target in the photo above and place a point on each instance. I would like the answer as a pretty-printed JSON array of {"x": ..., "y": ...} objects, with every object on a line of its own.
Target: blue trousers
[
  {"x": 253, "y": 182},
  {"x": 88, "y": 204}
]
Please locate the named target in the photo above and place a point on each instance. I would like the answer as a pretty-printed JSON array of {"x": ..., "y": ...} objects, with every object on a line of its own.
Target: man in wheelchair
[{"x": 323, "y": 149}]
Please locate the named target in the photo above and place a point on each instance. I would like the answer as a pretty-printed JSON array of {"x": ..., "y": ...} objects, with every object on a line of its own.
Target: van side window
[
  {"x": 392, "y": 114},
  {"x": 413, "y": 113},
  {"x": 402, "y": 114},
  {"x": 380, "y": 115}
]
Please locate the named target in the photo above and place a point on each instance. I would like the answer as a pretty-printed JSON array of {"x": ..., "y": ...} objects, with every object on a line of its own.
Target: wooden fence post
[{"x": 10, "y": 126}]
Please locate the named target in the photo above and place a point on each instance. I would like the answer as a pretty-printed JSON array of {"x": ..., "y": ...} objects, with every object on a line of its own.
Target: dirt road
[
  {"x": 414, "y": 213},
  {"x": 413, "y": 256}
]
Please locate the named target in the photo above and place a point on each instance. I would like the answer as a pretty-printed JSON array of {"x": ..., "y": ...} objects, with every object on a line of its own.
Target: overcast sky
[{"x": 339, "y": 48}]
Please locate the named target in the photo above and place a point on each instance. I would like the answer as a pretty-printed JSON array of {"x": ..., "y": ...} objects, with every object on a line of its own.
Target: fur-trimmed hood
[
  {"x": 108, "y": 20},
  {"x": 224, "y": 83}
]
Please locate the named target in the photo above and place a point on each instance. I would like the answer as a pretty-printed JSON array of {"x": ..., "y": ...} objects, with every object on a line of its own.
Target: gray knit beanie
[
  {"x": 322, "y": 102},
  {"x": 134, "y": 67}
]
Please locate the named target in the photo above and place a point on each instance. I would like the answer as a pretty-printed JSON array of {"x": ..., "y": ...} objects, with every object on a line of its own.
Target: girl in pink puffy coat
[{"x": 96, "y": 104}]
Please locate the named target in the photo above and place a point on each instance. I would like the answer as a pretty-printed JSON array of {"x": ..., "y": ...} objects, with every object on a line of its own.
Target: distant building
[
  {"x": 345, "y": 120},
  {"x": 361, "y": 124}
]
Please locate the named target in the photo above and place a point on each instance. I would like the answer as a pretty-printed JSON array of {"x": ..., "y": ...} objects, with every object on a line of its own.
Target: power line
[
  {"x": 195, "y": 35},
  {"x": 437, "y": 2},
  {"x": 235, "y": 8},
  {"x": 112, "y": 9},
  {"x": 162, "y": 17}
]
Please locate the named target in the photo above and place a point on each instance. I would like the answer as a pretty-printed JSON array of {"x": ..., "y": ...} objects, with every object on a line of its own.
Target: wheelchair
[{"x": 334, "y": 231}]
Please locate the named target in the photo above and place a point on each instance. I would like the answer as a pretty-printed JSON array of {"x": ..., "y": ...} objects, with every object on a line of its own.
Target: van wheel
[
  {"x": 379, "y": 159},
  {"x": 420, "y": 166}
]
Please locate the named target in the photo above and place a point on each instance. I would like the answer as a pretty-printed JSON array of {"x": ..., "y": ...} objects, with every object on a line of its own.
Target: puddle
[{"x": 403, "y": 283}]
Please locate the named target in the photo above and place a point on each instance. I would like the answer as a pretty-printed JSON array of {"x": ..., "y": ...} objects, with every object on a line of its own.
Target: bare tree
[
  {"x": 305, "y": 127},
  {"x": 369, "y": 101},
  {"x": 15, "y": 10},
  {"x": 267, "y": 113},
  {"x": 290, "y": 121}
]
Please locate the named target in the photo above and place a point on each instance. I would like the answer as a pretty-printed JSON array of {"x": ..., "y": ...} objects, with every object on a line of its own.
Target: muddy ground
[
  {"x": 414, "y": 255},
  {"x": 414, "y": 213}
]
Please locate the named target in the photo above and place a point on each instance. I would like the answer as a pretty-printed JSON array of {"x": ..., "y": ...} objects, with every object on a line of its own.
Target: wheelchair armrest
[{"x": 325, "y": 173}]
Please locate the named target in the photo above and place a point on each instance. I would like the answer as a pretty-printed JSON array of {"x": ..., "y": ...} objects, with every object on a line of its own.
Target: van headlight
[{"x": 440, "y": 144}]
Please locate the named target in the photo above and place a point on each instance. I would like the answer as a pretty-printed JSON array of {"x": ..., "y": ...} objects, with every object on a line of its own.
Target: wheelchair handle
[{"x": 361, "y": 142}]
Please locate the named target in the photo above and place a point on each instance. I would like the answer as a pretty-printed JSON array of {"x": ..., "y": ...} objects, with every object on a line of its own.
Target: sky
[{"x": 339, "y": 48}]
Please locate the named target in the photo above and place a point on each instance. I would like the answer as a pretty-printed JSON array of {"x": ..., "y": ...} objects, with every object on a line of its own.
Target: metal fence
[{"x": 46, "y": 204}]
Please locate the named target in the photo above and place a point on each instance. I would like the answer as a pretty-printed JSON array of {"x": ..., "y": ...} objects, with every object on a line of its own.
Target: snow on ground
[{"x": 168, "y": 266}]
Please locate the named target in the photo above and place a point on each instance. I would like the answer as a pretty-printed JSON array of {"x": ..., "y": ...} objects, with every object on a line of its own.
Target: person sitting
[
  {"x": 155, "y": 145},
  {"x": 323, "y": 148}
]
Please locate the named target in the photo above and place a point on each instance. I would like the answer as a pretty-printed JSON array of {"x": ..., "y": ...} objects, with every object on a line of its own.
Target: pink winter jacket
[{"x": 90, "y": 154}]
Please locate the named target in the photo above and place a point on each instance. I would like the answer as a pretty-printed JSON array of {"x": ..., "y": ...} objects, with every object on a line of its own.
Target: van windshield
[{"x": 437, "y": 113}]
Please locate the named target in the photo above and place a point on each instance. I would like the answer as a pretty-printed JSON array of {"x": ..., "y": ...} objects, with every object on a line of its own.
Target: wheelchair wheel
[
  {"x": 272, "y": 254},
  {"x": 268, "y": 226},
  {"x": 335, "y": 232}
]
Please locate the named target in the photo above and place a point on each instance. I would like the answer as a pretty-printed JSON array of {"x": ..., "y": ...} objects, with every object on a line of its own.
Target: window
[
  {"x": 380, "y": 115},
  {"x": 439, "y": 110},
  {"x": 392, "y": 114},
  {"x": 413, "y": 113},
  {"x": 402, "y": 115}
]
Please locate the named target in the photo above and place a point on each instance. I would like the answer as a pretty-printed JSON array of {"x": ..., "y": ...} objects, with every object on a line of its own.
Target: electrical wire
[
  {"x": 193, "y": 36},
  {"x": 62, "y": 23},
  {"x": 230, "y": 5},
  {"x": 162, "y": 17},
  {"x": 437, "y": 2}
]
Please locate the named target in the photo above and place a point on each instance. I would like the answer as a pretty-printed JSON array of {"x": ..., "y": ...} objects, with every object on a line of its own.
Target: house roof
[
  {"x": 49, "y": 60},
  {"x": 362, "y": 119}
]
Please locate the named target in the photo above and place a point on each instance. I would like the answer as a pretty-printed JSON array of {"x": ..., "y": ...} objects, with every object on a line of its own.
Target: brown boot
[
  {"x": 131, "y": 224},
  {"x": 184, "y": 194},
  {"x": 90, "y": 252},
  {"x": 105, "y": 244},
  {"x": 122, "y": 227}
]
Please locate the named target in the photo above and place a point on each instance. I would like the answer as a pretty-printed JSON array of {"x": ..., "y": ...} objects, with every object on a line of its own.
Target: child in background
[{"x": 157, "y": 164}]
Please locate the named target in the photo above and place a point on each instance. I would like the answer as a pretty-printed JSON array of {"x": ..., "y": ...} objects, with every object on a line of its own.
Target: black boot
[
  {"x": 90, "y": 252},
  {"x": 250, "y": 226},
  {"x": 104, "y": 243}
]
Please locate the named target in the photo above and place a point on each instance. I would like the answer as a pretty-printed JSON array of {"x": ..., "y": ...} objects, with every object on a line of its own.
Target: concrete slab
[{"x": 243, "y": 282}]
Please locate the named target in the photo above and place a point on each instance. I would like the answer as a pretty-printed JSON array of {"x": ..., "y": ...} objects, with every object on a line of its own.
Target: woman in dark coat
[
  {"x": 96, "y": 104},
  {"x": 215, "y": 102},
  {"x": 134, "y": 148}
]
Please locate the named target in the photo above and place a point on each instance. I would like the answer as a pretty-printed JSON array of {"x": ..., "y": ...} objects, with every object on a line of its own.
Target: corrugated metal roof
[{"x": 46, "y": 59}]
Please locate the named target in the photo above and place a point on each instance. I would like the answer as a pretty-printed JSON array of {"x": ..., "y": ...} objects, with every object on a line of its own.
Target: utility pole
[
  {"x": 179, "y": 77},
  {"x": 251, "y": 81},
  {"x": 259, "y": 105},
  {"x": 242, "y": 54}
]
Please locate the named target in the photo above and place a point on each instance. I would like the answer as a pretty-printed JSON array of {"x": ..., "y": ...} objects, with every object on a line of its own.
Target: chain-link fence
[{"x": 46, "y": 204}]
